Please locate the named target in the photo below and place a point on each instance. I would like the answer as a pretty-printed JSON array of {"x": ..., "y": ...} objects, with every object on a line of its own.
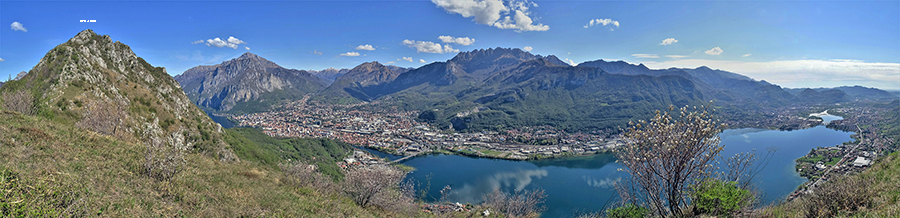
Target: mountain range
[{"x": 497, "y": 88}]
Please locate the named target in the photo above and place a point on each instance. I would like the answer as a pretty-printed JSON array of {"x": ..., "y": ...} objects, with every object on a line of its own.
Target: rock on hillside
[{"x": 101, "y": 85}]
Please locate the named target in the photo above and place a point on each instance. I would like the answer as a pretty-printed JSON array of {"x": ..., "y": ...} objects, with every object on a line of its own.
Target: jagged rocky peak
[
  {"x": 251, "y": 60},
  {"x": 492, "y": 54}
]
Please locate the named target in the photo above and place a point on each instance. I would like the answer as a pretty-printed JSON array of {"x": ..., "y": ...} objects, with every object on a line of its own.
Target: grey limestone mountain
[
  {"x": 101, "y": 85},
  {"x": 248, "y": 83}
]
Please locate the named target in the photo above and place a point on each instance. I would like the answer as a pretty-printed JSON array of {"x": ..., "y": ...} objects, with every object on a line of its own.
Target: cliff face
[
  {"x": 101, "y": 85},
  {"x": 248, "y": 82}
]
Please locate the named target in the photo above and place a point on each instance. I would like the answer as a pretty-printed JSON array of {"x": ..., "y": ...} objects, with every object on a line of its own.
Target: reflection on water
[
  {"x": 472, "y": 192},
  {"x": 606, "y": 183},
  {"x": 571, "y": 184},
  {"x": 585, "y": 184},
  {"x": 581, "y": 162}
]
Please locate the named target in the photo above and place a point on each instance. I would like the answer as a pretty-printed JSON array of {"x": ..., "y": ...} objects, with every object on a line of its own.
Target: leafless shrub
[
  {"x": 365, "y": 183},
  {"x": 300, "y": 174},
  {"x": 668, "y": 154},
  {"x": 163, "y": 161},
  {"x": 842, "y": 195},
  {"x": 743, "y": 167},
  {"x": 20, "y": 101},
  {"x": 102, "y": 117},
  {"x": 519, "y": 204},
  {"x": 399, "y": 199}
]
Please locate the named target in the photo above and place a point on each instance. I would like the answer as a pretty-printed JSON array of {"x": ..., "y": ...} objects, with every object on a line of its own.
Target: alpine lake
[
  {"x": 580, "y": 185},
  {"x": 584, "y": 184}
]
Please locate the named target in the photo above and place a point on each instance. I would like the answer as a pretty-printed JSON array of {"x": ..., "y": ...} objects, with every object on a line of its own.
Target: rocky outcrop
[{"x": 101, "y": 85}]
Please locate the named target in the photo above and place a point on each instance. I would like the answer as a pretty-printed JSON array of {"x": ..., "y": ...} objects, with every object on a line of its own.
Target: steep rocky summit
[
  {"x": 101, "y": 85},
  {"x": 247, "y": 83}
]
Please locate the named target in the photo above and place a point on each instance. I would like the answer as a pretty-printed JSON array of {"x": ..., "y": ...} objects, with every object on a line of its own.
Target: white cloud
[
  {"x": 231, "y": 42},
  {"x": 422, "y": 61},
  {"x": 235, "y": 41},
  {"x": 429, "y": 47},
  {"x": 16, "y": 26},
  {"x": 802, "y": 73},
  {"x": 645, "y": 55},
  {"x": 390, "y": 62},
  {"x": 460, "y": 40},
  {"x": 366, "y": 47},
  {"x": 527, "y": 48},
  {"x": 520, "y": 22},
  {"x": 197, "y": 42},
  {"x": 248, "y": 48},
  {"x": 407, "y": 59},
  {"x": 571, "y": 62},
  {"x": 676, "y": 56},
  {"x": 489, "y": 12},
  {"x": 350, "y": 54},
  {"x": 1, "y": 60},
  {"x": 604, "y": 22},
  {"x": 714, "y": 51},
  {"x": 746, "y": 55},
  {"x": 668, "y": 41},
  {"x": 316, "y": 52}
]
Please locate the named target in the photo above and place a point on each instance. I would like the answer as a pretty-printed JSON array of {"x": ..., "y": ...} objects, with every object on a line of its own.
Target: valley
[{"x": 127, "y": 138}]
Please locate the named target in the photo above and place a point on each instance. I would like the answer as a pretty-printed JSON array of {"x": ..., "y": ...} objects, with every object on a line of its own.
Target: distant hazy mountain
[
  {"x": 851, "y": 93},
  {"x": 329, "y": 75},
  {"x": 101, "y": 85},
  {"x": 248, "y": 83}
]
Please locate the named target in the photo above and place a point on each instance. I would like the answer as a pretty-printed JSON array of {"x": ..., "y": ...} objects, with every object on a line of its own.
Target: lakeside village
[
  {"x": 397, "y": 132},
  {"x": 824, "y": 163},
  {"x": 393, "y": 131}
]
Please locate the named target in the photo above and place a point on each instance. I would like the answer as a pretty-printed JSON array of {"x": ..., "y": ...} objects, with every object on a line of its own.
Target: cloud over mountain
[
  {"x": 457, "y": 40},
  {"x": 429, "y": 47},
  {"x": 350, "y": 54},
  {"x": 231, "y": 42},
  {"x": 489, "y": 12},
  {"x": 714, "y": 51}
]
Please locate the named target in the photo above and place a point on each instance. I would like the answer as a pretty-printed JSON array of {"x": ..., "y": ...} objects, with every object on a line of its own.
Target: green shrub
[
  {"x": 720, "y": 198},
  {"x": 628, "y": 211}
]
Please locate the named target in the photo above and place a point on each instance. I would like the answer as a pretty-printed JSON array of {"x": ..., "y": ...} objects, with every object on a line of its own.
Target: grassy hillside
[
  {"x": 53, "y": 169},
  {"x": 254, "y": 145},
  {"x": 873, "y": 193}
]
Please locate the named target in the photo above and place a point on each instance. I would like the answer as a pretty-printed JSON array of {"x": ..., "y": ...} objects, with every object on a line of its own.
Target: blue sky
[{"x": 793, "y": 44}]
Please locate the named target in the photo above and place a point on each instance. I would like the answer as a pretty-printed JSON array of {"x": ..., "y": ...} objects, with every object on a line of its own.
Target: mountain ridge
[
  {"x": 249, "y": 83},
  {"x": 102, "y": 86}
]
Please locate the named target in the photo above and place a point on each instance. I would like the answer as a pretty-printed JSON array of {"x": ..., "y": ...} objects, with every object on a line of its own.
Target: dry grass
[{"x": 51, "y": 169}]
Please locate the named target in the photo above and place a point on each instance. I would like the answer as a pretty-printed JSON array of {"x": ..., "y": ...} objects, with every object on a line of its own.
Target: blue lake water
[
  {"x": 584, "y": 184},
  {"x": 224, "y": 121}
]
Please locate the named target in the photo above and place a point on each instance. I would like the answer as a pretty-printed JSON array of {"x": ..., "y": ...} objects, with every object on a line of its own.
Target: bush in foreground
[{"x": 719, "y": 198}]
